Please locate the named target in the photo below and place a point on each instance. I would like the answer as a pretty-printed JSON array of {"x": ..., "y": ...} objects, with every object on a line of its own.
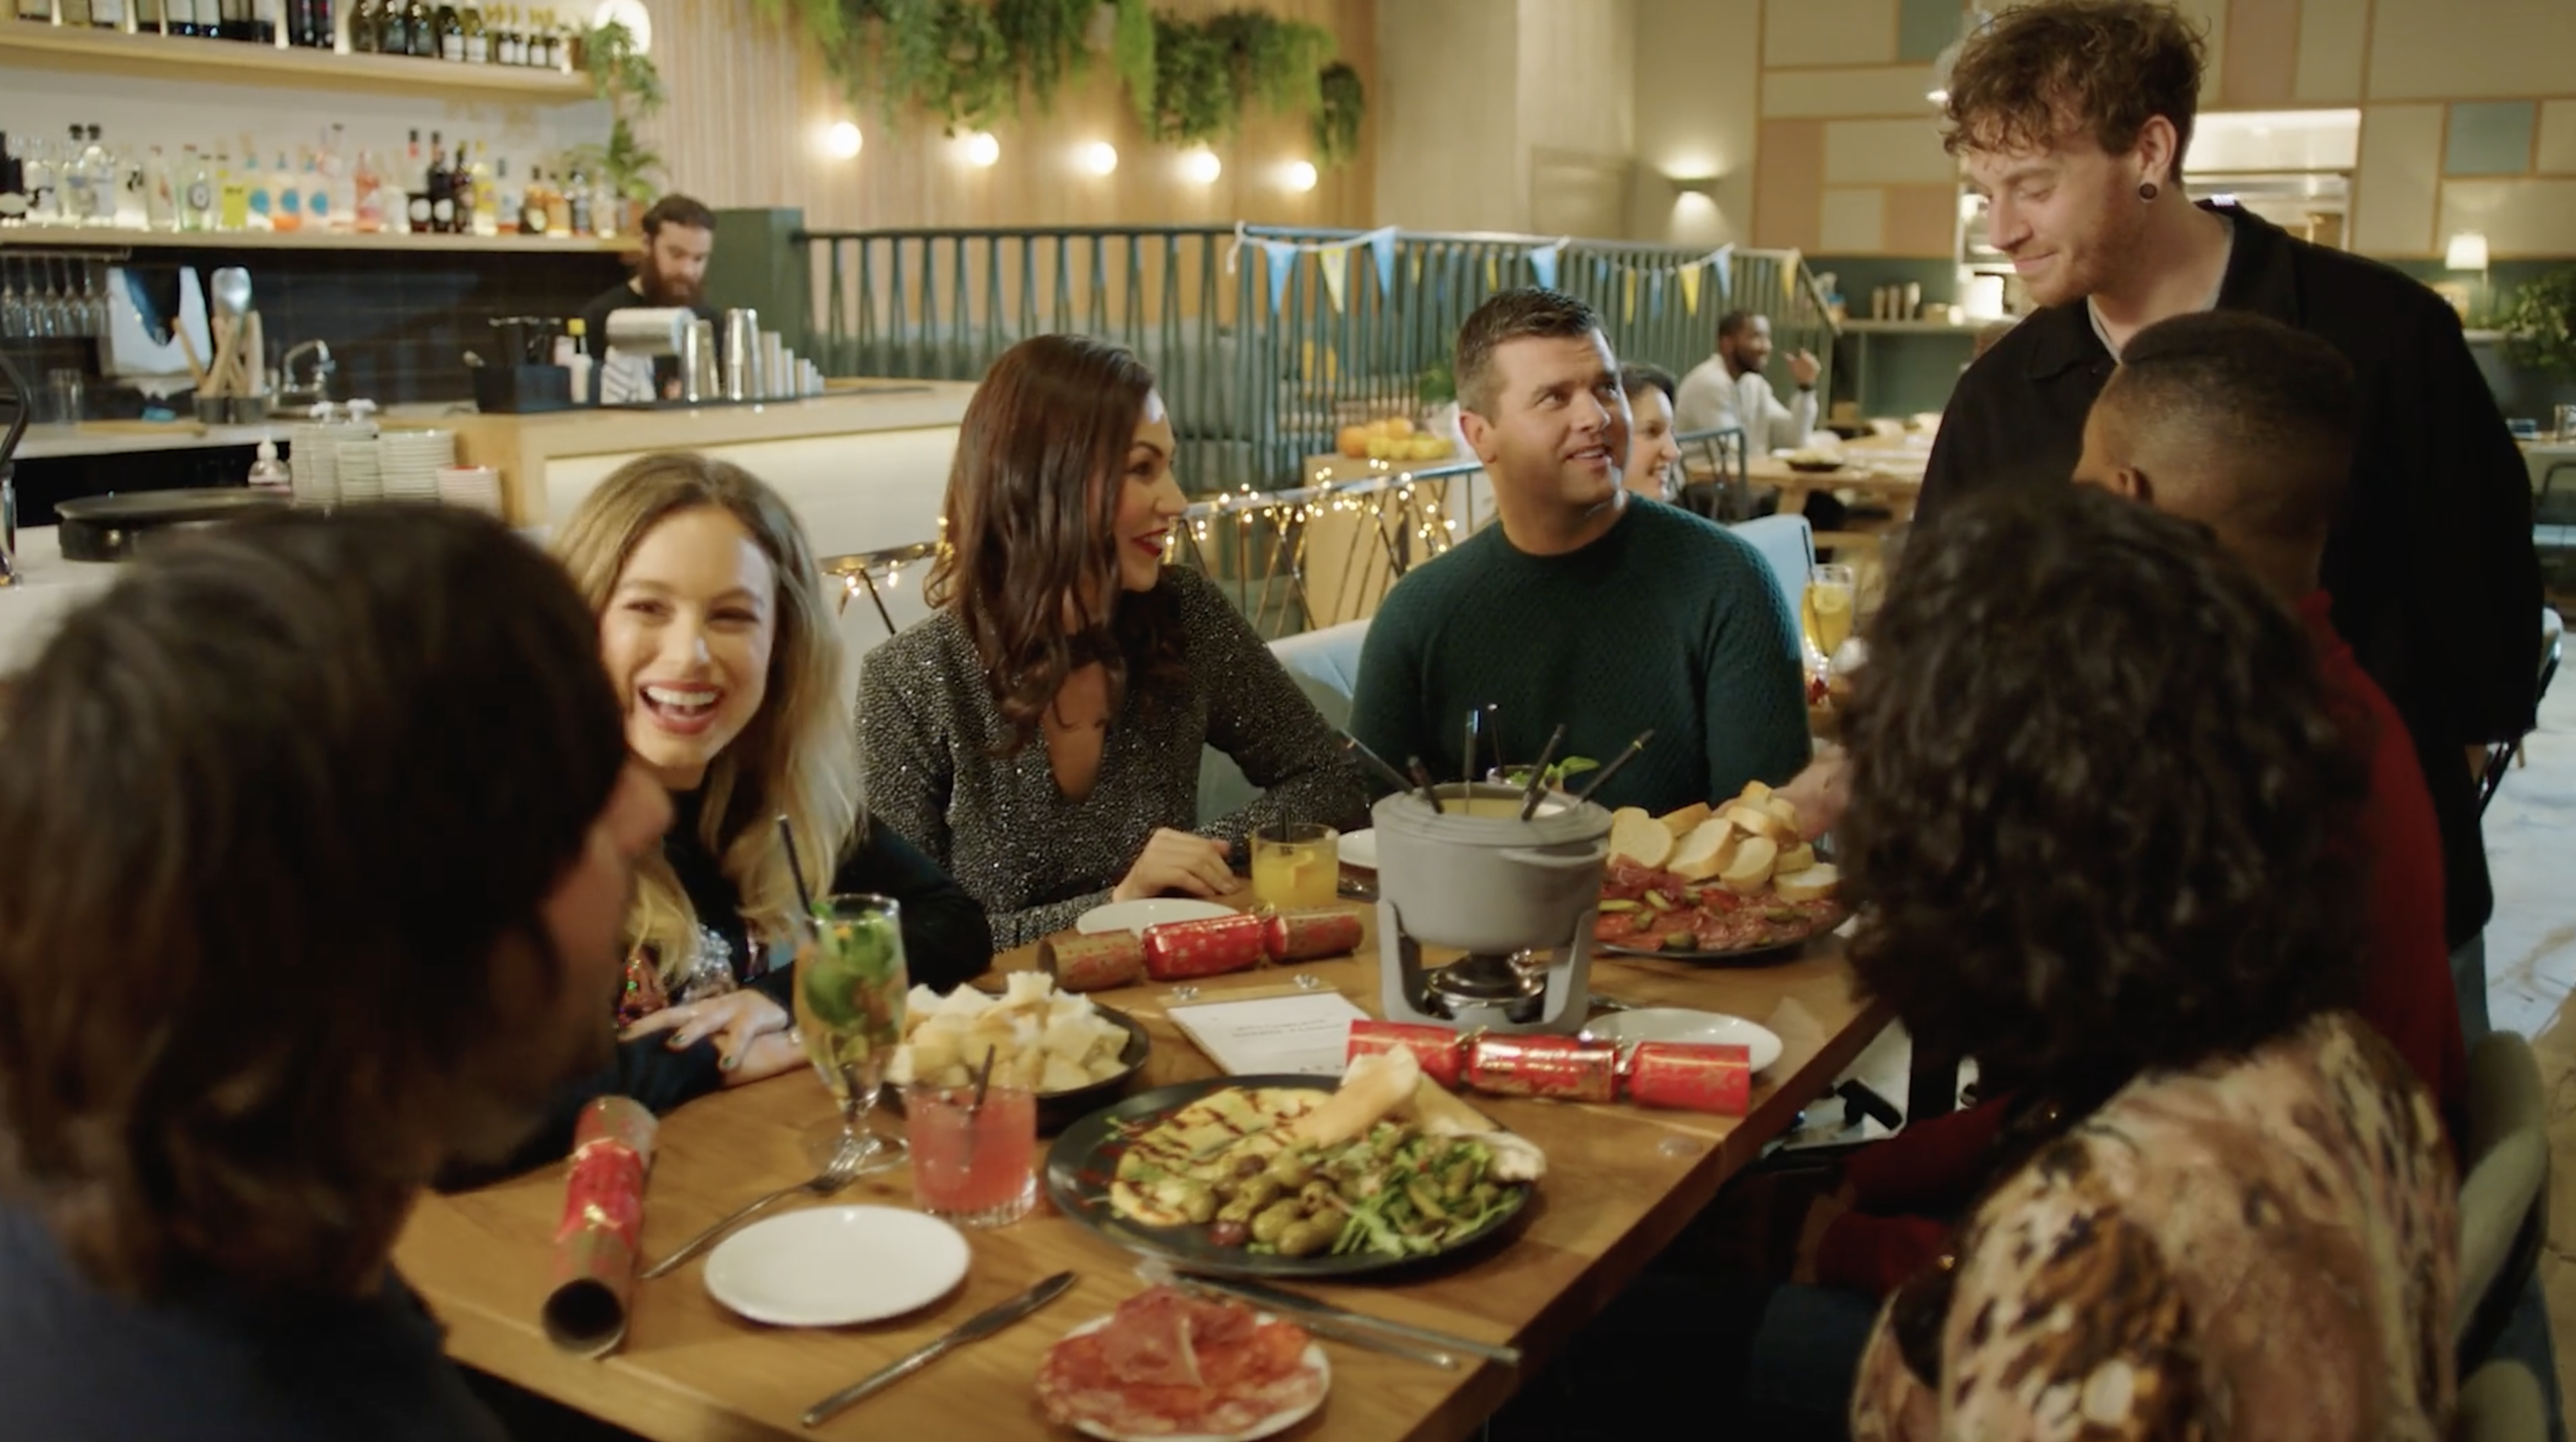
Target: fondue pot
[{"x": 1519, "y": 898}]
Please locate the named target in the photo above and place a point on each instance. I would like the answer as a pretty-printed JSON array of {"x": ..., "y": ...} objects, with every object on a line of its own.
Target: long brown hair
[
  {"x": 797, "y": 757},
  {"x": 283, "y": 809},
  {"x": 1031, "y": 528}
]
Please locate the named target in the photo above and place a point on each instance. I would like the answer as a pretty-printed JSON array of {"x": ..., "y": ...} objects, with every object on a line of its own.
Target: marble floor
[{"x": 2531, "y": 968}]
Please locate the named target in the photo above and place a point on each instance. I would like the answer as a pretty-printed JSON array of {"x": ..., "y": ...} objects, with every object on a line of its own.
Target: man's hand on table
[{"x": 1820, "y": 792}]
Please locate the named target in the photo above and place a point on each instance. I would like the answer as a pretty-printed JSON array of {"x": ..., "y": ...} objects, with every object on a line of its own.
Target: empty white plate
[
  {"x": 1135, "y": 916},
  {"x": 833, "y": 1266},
  {"x": 1699, "y": 1028},
  {"x": 1359, "y": 848}
]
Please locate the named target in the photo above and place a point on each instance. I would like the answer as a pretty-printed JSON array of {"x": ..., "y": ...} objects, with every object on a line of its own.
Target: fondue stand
[{"x": 1518, "y": 897}]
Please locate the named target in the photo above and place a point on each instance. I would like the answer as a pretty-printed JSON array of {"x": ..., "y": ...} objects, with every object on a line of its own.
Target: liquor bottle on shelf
[
  {"x": 309, "y": 24},
  {"x": 43, "y": 178},
  {"x": 286, "y": 197},
  {"x": 532, "y": 205},
  {"x": 196, "y": 192},
  {"x": 263, "y": 206},
  {"x": 577, "y": 203},
  {"x": 422, "y": 28},
  {"x": 267, "y": 21},
  {"x": 151, "y": 17},
  {"x": 368, "y": 198},
  {"x": 507, "y": 200},
  {"x": 160, "y": 193},
  {"x": 514, "y": 37},
  {"x": 451, "y": 34},
  {"x": 13, "y": 184},
  {"x": 441, "y": 184},
  {"x": 416, "y": 191},
  {"x": 487, "y": 194},
  {"x": 478, "y": 39},
  {"x": 210, "y": 19},
  {"x": 339, "y": 180},
  {"x": 73, "y": 180},
  {"x": 232, "y": 194},
  {"x": 558, "y": 211},
  {"x": 366, "y": 26},
  {"x": 606, "y": 209},
  {"x": 35, "y": 12}
]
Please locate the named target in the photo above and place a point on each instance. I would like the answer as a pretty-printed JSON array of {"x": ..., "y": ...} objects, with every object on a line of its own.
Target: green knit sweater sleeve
[{"x": 1386, "y": 706}]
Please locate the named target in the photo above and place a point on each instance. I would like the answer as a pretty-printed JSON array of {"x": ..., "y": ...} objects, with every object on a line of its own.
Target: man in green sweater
[{"x": 1586, "y": 604}]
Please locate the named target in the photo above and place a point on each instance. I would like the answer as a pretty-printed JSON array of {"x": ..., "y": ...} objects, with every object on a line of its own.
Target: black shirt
[
  {"x": 80, "y": 1365},
  {"x": 946, "y": 942},
  {"x": 2430, "y": 563}
]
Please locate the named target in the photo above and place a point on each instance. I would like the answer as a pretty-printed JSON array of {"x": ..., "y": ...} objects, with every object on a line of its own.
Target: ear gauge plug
[{"x": 2147, "y": 191}]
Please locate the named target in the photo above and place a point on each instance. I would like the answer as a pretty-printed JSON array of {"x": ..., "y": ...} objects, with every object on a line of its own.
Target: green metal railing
[{"x": 1255, "y": 386}]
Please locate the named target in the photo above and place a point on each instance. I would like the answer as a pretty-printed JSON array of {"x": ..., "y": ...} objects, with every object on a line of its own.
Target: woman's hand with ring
[{"x": 735, "y": 1020}]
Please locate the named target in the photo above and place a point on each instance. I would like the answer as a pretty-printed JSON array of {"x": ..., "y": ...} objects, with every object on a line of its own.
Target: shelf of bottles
[
  {"x": 411, "y": 44},
  {"x": 88, "y": 191}
]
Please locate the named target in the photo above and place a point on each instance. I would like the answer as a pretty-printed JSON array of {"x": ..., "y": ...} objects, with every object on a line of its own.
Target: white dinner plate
[
  {"x": 833, "y": 1266},
  {"x": 1359, "y": 848},
  {"x": 1135, "y": 916},
  {"x": 1699, "y": 1028},
  {"x": 1272, "y": 1425}
]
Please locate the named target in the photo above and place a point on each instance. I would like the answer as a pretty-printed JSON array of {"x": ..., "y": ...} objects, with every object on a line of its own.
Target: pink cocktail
[{"x": 976, "y": 1170}]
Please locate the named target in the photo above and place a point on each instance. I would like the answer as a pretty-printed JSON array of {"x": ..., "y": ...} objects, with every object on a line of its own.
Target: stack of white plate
[
  {"x": 313, "y": 459},
  {"x": 413, "y": 460},
  {"x": 362, "y": 471},
  {"x": 475, "y": 487}
]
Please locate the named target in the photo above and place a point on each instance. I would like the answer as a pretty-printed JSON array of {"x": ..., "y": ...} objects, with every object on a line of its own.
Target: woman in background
[
  {"x": 1654, "y": 457},
  {"x": 1040, "y": 735}
]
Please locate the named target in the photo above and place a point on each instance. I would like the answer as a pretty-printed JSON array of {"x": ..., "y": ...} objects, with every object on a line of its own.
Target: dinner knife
[
  {"x": 981, "y": 1325},
  {"x": 1280, "y": 1300},
  {"x": 1339, "y": 1329}
]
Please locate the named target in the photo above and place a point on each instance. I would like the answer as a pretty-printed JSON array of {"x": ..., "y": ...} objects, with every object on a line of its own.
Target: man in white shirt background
[{"x": 1729, "y": 390}]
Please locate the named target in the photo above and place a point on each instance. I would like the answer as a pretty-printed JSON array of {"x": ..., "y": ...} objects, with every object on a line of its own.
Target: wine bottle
[
  {"x": 532, "y": 205},
  {"x": 13, "y": 184},
  {"x": 422, "y": 28},
  {"x": 365, "y": 24},
  {"x": 451, "y": 34},
  {"x": 311, "y": 28},
  {"x": 577, "y": 203},
  {"x": 268, "y": 21},
  {"x": 478, "y": 40}
]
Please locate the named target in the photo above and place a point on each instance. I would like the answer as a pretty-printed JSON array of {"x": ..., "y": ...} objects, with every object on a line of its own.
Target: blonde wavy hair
[{"x": 797, "y": 757}]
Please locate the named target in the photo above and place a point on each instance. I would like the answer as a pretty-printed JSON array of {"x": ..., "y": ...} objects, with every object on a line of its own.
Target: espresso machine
[{"x": 1519, "y": 898}]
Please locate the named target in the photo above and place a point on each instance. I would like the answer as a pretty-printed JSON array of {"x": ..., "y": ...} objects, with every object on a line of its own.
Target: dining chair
[
  {"x": 2502, "y": 755},
  {"x": 2504, "y": 1191},
  {"x": 1788, "y": 547}
]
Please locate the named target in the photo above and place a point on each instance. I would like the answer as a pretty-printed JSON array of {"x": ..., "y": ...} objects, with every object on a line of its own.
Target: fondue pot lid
[{"x": 108, "y": 528}]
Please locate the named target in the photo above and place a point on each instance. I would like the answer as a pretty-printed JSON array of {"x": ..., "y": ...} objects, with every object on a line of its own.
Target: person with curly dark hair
[{"x": 2098, "y": 835}]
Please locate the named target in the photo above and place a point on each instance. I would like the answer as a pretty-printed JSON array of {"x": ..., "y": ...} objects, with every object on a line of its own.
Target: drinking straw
[
  {"x": 1616, "y": 762},
  {"x": 1384, "y": 767},
  {"x": 796, "y": 866},
  {"x": 1422, "y": 778},
  {"x": 1538, "y": 773}
]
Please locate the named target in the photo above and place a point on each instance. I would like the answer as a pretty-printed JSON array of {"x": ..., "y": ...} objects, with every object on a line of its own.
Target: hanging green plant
[
  {"x": 1337, "y": 115},
  {"x": 1131, "y": 55},
  {"x": 1275, "y": 60},
  {"x": 1195, "y": 100},
  {"x": 1045, "y": 39},
  {"x": 2539, "y": 323}
]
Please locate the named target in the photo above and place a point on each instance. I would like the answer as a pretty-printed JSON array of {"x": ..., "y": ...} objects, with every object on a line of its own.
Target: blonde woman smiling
[{"x": 719, "y": 642}]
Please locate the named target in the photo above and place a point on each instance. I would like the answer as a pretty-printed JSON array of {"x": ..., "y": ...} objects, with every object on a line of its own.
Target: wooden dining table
[
  {"x": 1621, "y": 1182},
  {"x": 1882, "y": 470}
]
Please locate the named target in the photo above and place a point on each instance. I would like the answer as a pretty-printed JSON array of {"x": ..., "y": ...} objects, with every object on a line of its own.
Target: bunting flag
[
  {"x": 1382, "y": 249},
  {"x": 1543, "y": 264},
  {"x": 1493, "y": 273},
  {"x": 1628, "y": 297},
  {"x": 1655, "y": 295},
  {"x": 1335, "y": 262},
  {"x": 1690, "y": 290},
  {"x": 1283, "y": 260},
  {"x": 1722, "y": 261}
]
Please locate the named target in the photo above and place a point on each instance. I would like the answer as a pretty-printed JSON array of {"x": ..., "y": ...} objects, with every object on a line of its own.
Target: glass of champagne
[
  {"x": 850, "y": 985},
  {"x": 1827, "y": 612}
]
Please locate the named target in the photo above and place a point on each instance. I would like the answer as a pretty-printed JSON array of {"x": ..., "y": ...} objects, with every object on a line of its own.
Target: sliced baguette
[
  {"x": 1750, "y": 869},
  {"x": 1638, "y": 837},
  {"x": 1815, "y": 883},
  {"x": 1705, "y": 852},
  {"x": 1683, "y": 822},
  {"x": 1760, "y": 822},
  {"x": 1754, "y": 791},
  {"x": 1796, "y": 858},
  {"x": 1782, "y": 807}
]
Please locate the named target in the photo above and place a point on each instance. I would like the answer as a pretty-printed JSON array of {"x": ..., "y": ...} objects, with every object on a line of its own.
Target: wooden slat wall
[{"x": 750, "y": 105}]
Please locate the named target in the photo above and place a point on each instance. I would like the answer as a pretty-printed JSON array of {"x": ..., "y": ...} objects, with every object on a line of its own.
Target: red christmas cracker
[
  {"x": 1687, "y": 1077},
  {"x": 1436, "y": 1047},
  {"x": 1309, "y": 935},
  {"x": 1563, "y": 1067},
  {"x": 597, "y": 1243},
  {"x": 1093, "y": 963},
  {"x": 1179, "y": 950}
]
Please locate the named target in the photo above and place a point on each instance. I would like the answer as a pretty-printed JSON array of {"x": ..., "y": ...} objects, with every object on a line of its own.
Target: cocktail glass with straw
[{"x": 849, "y": 991}]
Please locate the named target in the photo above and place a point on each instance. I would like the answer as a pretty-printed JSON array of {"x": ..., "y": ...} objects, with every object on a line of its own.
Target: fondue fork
[
  {"x": 1622, "y": 759},
  {"x": 1494, "y": 733},
  {"x": 1538, "y": 773},
  {"x": 1422, "y": 778},
  {"x": 1385, "y": 768},
  {"x": 1467, "y": 749}
]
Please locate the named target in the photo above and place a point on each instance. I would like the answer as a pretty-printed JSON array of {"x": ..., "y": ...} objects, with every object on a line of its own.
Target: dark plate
[
  {"x": 1083, "y": 1161},
  {"x": 1059, "y": 1110},
  {"x": 1772, "y": 949}
]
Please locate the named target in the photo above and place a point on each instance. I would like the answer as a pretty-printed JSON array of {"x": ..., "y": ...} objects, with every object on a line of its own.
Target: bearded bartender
[{"x": 679, "y": 235}]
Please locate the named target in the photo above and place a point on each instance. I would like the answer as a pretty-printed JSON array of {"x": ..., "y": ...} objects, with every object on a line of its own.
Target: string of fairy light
[{"x": 1415, "y": 491}]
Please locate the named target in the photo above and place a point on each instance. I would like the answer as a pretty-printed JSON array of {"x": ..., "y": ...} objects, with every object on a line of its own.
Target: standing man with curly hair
[{"x": 2072, "y": 118}]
